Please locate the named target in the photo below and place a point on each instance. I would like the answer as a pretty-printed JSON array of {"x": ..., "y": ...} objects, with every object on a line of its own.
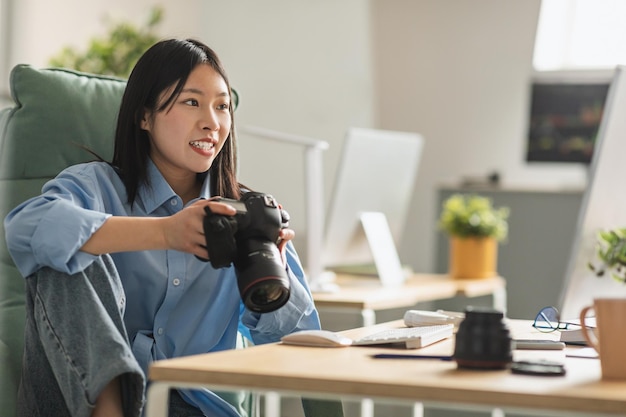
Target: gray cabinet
[{"x": 534, "y": 259}]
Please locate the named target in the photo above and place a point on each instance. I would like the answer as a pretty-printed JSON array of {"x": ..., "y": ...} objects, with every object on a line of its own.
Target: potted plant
[
  {"x": 608, "y": 310},
  {"x": 611, "y": 254},
  {"x": 117, "y": 52},
  {"x": 475, "y": 228}
]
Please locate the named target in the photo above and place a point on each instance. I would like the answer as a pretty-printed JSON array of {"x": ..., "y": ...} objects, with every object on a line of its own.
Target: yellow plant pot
[{"x": 473, "y": 257}]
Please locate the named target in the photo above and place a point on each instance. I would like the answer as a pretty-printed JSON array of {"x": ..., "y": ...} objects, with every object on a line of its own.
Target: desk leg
[
  {"x": 272, "y": 404},
  {"x": 157, "y": 399},
  {"x": 497, "y": 412},
  {"x": 368, "y": 316},
  {"x": 418, "y": 410},
  {"x": 367, "y": 407},
  {"x": 369, "y": 319},
  {"x": 499, "y": 299}
]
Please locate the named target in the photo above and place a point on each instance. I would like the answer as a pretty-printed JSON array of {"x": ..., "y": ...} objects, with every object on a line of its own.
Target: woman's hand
[
  {"x": 285, "y": 236},
  {"x": 185, "y": 230}
]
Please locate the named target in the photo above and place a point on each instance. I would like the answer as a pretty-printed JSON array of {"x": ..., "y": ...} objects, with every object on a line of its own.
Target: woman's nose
[{"x": 210, "y": 121}]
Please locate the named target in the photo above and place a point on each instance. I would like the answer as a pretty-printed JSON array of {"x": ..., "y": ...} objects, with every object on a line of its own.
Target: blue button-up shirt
[{"x": 176, "y": 305}]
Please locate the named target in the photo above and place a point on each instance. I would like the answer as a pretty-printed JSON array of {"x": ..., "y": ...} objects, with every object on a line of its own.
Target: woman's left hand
[{"x": 284, "y": 236}]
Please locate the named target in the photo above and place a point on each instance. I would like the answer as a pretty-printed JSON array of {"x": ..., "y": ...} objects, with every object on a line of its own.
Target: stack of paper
[{"x": 575, "y": 335}]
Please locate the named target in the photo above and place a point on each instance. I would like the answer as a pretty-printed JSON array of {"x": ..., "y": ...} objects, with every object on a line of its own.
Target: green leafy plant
[
  {"x": 611, "y": 254},
  {"x": 117, "y": 53},
  {"x": 474, "y": 216}
]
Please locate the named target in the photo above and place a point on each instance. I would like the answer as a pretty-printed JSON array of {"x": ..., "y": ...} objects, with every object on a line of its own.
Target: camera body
[{"x": 248, "y": 240}]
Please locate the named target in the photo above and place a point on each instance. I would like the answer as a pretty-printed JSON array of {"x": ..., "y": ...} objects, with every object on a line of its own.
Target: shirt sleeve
[
  {"x": 299, "y": 313},
  {"x": 49, "y": 230}
]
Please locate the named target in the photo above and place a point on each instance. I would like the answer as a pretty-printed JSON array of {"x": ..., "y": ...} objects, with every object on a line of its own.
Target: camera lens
[
  {"x": 267, "y": 295},
  {"x": 261, "y": 276},
  {"x": 247, "y": 240},
  {"x": 483, "y": 340},
  {"x": 264, "y": 294}
]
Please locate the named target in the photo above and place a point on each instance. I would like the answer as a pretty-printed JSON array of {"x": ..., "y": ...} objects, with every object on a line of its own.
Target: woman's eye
[
  {"x": 224, "y": 106},
  {"x": 191, "y": 102}
]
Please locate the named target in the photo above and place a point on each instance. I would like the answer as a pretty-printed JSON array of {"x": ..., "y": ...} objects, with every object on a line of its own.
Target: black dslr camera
[{"x": 248, "y": 240}]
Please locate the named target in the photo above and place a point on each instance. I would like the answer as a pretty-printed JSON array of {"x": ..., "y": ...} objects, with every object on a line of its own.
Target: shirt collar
[{"x": 159, "y": 191}]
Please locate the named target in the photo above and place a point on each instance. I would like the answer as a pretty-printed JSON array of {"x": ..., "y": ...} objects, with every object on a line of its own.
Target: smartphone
[
  {"x": 547, "y": 368},
  {"x": 538, "y": 344}
]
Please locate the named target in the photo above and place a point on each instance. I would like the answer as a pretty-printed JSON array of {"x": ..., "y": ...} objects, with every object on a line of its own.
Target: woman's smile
[{"x": 203, "y": 147}]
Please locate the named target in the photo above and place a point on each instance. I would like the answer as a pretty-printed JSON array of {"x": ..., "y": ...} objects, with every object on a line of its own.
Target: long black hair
[{"x": 167, "y": 63}]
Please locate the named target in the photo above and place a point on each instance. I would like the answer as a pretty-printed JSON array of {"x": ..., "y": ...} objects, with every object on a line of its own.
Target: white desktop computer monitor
[
  {"x": 603, "y": 206},
  {"x": 370, "y": 202}
]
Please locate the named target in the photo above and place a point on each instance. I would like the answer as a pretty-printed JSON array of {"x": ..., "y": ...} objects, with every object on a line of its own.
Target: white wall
[
  {"x": 455, "y": 71},
  {"x": 41, "y": 28},
  {"x": 301, "y": 67},
  {"x": 458, "y": 72}
]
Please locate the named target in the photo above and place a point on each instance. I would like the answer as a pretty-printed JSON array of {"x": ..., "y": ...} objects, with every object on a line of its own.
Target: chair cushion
[{"x": 54, "y": 110}]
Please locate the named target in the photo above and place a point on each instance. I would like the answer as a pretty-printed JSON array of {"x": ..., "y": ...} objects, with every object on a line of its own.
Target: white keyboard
[{"x": 412, "y": 337}]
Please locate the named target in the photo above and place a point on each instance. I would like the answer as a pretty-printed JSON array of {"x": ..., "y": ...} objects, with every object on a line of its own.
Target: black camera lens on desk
[
  {"x": 248, "y": 241},
  {"x": 483, "y": 340}
]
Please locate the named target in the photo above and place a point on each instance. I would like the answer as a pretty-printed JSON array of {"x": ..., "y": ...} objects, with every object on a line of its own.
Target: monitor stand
[
  {"x": 383, "y": 249},
  {"x": 380, "y": 240}
]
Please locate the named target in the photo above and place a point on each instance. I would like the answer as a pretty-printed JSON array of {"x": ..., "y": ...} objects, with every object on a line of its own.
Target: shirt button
[
  {"x": 173, "y": 201},
  {"x": 160, "y": 331},
  {"x": 176, "y": 282}
]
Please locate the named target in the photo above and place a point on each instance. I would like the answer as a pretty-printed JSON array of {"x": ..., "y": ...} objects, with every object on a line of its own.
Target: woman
[{"x": 110, "y": 251}]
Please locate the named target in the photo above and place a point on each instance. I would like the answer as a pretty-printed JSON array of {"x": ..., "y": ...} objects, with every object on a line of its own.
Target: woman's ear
[{"x": 145, "y": 120}]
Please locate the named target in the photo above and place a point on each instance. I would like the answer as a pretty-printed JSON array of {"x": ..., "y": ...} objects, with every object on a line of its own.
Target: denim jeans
[
  {"x": 75, "y": 343},
  {"x": 180, "y": 408}
]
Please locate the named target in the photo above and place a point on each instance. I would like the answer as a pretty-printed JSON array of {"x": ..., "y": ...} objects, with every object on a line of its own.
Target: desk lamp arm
[{"x": 314, "y": 192}]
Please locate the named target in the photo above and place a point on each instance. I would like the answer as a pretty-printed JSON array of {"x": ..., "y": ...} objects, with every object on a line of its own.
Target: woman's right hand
[{"x": 184, "y": 230}]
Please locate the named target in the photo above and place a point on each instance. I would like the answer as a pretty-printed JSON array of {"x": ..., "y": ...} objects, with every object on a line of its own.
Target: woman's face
[{"x": 186, "y": 137}]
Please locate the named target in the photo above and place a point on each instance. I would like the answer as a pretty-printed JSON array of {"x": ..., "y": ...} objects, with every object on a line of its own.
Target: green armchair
[{"x": 56, "y": 112}]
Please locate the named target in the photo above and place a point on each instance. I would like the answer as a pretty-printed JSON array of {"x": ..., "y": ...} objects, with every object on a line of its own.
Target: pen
[{"x": 403, "y": 356}]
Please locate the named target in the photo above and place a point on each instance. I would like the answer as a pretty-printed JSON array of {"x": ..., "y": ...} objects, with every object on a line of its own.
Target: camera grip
[{"x": 219, "y": 232}]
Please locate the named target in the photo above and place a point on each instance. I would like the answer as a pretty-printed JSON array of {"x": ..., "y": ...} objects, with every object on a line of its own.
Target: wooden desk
[
  {"x": 366, "y": 295},
  {"x": 350, "y": 372}
]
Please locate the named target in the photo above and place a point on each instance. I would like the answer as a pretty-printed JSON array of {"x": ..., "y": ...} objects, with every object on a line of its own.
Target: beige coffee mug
[{"x": 609, "y": 339}]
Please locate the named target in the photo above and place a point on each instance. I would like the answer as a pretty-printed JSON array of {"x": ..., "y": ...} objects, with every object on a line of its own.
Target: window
[{"x": 580, "y": 34}]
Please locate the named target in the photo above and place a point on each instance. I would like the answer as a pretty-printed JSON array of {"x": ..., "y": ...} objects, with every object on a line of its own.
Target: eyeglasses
[{"x": 548, "y": 320}]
